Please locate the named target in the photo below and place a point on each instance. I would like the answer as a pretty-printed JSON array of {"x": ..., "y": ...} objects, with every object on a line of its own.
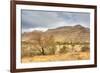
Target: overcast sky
[{"x": 43, "y": 20}]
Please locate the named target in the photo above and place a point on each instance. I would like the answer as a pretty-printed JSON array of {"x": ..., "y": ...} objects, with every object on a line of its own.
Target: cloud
[
  {"x": 36, "y": 29},
  {"x": 32, "y": 19}
]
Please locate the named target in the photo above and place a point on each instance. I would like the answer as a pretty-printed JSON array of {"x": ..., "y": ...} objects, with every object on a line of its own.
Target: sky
[{"x": 44, "y": 20}]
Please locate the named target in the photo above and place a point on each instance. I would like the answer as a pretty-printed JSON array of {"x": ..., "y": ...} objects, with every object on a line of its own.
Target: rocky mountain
[{"x": 75, "y": 33}]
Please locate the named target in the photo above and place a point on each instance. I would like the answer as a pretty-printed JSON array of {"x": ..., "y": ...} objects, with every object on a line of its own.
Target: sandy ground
[{"x": 58, "y": 57}]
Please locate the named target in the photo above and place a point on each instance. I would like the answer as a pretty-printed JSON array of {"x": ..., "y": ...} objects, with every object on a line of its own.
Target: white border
[{"x": 20, "y": 65}]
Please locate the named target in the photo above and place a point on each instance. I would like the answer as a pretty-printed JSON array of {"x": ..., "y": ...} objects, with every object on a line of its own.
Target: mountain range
[{"x": 77, "y": 33}]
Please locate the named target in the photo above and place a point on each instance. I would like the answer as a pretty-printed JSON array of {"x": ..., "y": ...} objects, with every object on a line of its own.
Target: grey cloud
[{"x": 51, "y": 19}]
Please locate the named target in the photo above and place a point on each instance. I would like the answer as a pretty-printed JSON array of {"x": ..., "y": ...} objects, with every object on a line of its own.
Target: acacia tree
[
  {"x": 44, "y": 42},
  {"x": 40, "y": 44}
]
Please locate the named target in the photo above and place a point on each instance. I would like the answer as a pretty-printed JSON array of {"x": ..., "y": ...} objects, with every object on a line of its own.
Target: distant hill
[{"x": 75, "y": 33}]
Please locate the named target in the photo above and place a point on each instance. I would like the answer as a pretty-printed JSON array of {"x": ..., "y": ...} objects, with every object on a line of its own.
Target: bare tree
[
  {"x": 40, "y": 44},
  {"x": 44, "y": 42}
]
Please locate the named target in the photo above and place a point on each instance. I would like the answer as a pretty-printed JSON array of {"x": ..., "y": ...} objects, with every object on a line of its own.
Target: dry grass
[{"x": 58, "y": 57}]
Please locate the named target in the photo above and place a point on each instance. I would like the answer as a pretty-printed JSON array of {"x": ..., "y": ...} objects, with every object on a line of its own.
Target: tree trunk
[{"x": 43, "y": 53}]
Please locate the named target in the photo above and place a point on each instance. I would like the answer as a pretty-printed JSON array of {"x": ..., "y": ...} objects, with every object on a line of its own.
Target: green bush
[
  {"x": 85, "y": 48},
  {"x": 64, "y": 50}
]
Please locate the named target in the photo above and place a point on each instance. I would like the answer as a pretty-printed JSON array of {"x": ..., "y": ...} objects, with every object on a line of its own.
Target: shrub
[
  {"x": 64, "y": 49},
  {"x": 85, "y": 48}
]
